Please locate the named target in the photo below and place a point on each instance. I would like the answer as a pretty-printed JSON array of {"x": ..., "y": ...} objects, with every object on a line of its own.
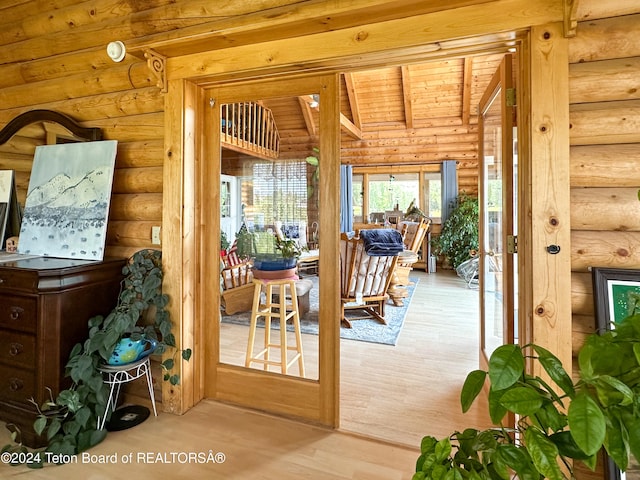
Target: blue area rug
[{"x": 367, "y": 330}]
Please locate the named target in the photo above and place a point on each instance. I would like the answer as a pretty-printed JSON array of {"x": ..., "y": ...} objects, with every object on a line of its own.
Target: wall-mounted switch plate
[{"x": 155, "y": 235}]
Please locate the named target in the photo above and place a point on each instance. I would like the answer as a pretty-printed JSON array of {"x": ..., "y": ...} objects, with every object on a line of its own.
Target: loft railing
[{"x": 250, "y": 127}]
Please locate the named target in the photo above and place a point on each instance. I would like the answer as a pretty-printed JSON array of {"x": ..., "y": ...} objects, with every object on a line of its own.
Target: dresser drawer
[
  {"x": 18, "y": 313},
  {"x": 16, "y": 384},
  {"x": 18, "y": 349},
  {"x": 18, "y": 280}
]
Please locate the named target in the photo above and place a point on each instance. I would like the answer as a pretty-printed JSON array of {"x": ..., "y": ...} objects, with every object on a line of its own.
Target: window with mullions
[
  {"x": 388, "y": 192},
  {"x": 278, "y": 193}
]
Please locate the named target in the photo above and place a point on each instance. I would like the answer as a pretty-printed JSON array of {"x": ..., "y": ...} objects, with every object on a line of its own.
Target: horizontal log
[
  {"x": 577, "y": 340},
  {"x": 583, "y": 325},
  {"x": 604, "y": 81},
  {"x": 115, "y": 79},
  {"x": 582, "y": 293},
  {"x": 605, "y": 165},
  {"x": 148, "y": 153},
  {"x": 17, "y": 10},
  {"x": 67, "y": 37},
  {"x": 372, "y": 151},
  {"x": 134, "y": 128},
  {"x": 138, "y": 180},
  {"x": 604, "y": 249},
  {"x": 130, "y": 207},
  {"x": 598, "y": 209},
  {"x": 99, "y": 107},
  {"x": 607, "y": 38},
  {"x": 59, "y": 66},
  {"x": 40, "y": 21},
  {"x": 605, "y": 123},
  {"x": 130, "y": 233},
  {"x": 16, "y": 161},
  {"x": 123, "y": 252},
  {"x": 425, "y": 157}
]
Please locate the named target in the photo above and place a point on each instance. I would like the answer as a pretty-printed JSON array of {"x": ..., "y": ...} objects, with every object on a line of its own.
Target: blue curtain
[
  {"x": 346, "y": 200},
  {"x": 449, "y": 187}
]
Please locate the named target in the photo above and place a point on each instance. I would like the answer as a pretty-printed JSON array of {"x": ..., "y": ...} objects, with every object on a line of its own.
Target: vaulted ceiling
[{"x": 442, "y": 93}]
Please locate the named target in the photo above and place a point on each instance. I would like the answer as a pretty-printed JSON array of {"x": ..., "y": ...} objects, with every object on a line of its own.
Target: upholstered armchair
[{"x": 365, "y": 272}]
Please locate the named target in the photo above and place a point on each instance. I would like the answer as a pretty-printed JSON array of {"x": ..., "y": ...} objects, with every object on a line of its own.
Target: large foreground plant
[{"x": 602, "y": 410}]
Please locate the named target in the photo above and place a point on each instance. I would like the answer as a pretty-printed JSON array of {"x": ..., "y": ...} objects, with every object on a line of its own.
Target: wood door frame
[
  {"x": 545, "y": 312},
  {"x": 312, "y": 400}
]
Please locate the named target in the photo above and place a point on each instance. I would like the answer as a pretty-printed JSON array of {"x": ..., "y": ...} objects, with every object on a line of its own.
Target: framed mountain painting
[{"x": 68, "y": 199}]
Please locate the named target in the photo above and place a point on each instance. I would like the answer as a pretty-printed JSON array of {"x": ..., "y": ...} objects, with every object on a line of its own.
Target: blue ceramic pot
[
  {"x": 129, "y": 351},
  {"x": 272, "y": 264}
]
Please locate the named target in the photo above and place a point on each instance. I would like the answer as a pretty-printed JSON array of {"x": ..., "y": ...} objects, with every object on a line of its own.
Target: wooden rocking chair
[{"x": 364, "y": 280}]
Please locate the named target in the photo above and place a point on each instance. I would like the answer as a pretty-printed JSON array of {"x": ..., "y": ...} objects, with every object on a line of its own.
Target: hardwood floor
[
  {"x": 401, "y": 393},
  {"x": 391, "y": 396}
]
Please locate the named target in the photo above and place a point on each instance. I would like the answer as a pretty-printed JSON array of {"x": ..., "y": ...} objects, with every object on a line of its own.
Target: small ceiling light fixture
[
  {"x": 116, "y": 51},
  {"x": 315, "y": 101}
]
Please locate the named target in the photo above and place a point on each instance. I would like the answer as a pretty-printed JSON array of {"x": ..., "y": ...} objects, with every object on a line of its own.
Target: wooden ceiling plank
[{"x": 407, "y": 95}]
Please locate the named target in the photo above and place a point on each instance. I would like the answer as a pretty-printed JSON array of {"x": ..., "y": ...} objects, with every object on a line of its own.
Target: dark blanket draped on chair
[{"x": 382, "y": 242}]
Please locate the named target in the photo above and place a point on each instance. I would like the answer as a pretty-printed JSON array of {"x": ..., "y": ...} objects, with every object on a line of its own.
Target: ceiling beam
[
  {"x": 407, "y": 97},
  {"x": 349, "y": 128},
  {"x": 467, "y": 75},
  {"x": 352, "y": 96}
]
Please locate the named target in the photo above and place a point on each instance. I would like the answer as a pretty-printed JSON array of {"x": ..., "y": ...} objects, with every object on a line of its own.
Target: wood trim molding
[{"x": 35, "y": 116}]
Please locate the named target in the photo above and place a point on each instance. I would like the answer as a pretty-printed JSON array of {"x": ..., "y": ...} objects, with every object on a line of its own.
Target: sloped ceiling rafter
[
  {"x": 305, "y": 107},
  {"x": 352, "y": 128}
]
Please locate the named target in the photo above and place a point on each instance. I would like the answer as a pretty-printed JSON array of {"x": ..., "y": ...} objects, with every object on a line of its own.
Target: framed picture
[
  {"x": 616, "y": 294},
  {"x": 67, "y": 204}
]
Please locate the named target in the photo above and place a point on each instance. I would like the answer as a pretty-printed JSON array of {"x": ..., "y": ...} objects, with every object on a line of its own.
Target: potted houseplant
[
  {"x": 70, "y": 420},
  {"x": 557, "y": 425},
  {"x": 459, "y": 234},
  {"x": 281, "y": 263}
]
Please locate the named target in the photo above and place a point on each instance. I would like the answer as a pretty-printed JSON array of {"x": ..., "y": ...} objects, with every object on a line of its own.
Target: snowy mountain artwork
[{"x": 67, "y": 203}]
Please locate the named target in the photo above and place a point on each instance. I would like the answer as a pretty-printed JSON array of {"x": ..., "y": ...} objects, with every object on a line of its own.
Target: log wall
[
  {"x": 53, "y": 55},
  {"x": 604, "y": 158}
]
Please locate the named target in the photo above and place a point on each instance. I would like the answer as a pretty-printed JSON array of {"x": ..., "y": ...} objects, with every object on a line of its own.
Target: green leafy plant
[
  {"x": 70, "y": 421},
  {"x": 459, "y": 235},
  {"x": 602, "y": 410},
  {"x": 288, "y": 247}
]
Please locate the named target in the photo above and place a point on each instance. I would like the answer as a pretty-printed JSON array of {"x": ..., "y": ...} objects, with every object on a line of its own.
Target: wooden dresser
[{"x": 44, "y": 307}]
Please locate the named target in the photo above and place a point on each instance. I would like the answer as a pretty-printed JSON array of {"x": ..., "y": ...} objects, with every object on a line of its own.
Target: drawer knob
[
  {"x": 15, "y": 384},
  {"x": 16, "y": 312},
  {"x": 15, "y": 349}
]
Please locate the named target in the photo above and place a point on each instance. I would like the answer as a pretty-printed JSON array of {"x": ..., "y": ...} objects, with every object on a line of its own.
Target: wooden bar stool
[{"x": 283, "y": 307}]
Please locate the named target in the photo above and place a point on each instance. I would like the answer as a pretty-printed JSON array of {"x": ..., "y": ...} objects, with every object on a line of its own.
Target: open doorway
[
  {"x": 431, "y": 147},
  {"x": 411, "y": 120}
]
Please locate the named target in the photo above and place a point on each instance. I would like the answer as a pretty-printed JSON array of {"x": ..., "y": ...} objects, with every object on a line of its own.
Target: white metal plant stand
[{"x": 115, "y": 376}]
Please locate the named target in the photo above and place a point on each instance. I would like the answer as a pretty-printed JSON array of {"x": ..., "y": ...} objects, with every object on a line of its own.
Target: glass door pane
[{"x": 498, "y": 184}]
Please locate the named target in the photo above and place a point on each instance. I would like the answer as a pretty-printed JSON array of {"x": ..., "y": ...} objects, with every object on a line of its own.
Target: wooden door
[
  {"x": 498, "y": 182},
  {"x": 314, "y": 394}
]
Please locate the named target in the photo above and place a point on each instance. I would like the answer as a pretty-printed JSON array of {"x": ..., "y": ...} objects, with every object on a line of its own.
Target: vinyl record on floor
[{"x": 127, "y": 417}]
